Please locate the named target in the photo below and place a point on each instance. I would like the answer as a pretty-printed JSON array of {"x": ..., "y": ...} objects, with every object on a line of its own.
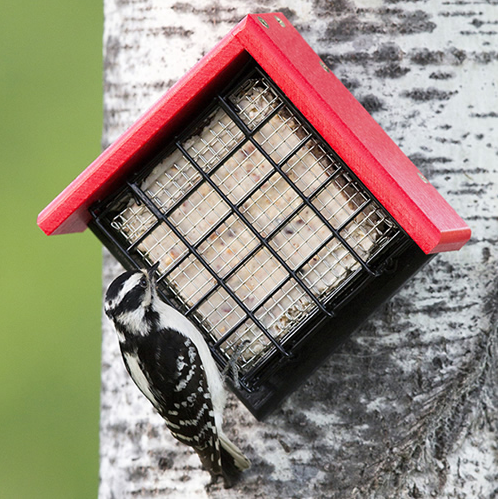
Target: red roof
[{"x": 338, "y": 117}]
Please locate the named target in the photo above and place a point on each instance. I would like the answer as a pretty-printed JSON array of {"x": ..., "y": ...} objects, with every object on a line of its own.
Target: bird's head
[{"x": 131, "y": 293}]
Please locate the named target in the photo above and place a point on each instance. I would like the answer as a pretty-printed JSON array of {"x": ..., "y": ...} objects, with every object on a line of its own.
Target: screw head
[
  {"x": 279, "y": 21},
  {"x": 424, "y": 179},
  {"x": 263, "y": 22}
]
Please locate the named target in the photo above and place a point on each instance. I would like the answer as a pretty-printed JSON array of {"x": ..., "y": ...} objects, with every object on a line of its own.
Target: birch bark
[{"x": 409, "y": 406}]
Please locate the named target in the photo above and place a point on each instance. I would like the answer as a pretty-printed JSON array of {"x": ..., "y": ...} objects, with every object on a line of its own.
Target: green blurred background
[{"x": 51, "y": 120}]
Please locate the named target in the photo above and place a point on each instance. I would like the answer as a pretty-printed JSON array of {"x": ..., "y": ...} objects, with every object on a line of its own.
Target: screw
[
  {"x": 263, "y": 22},
  {"x": 279, "y": 21},
  {"x": 424, "y": 179}
]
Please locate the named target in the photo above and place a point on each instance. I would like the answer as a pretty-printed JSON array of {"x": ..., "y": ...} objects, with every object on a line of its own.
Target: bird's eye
[{"x": 143, "y": 282}]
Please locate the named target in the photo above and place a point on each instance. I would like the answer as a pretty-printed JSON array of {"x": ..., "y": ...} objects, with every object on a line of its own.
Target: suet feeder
[{"x": 280, "y": 212}]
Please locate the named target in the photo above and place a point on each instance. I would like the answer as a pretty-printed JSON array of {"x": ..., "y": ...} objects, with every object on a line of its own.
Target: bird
[{"x": 170, "y": 362}]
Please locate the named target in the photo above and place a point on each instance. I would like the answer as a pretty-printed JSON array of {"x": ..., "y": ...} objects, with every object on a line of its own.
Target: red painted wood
[
  {"x": 68, "y": 212},
  {"x": 318, "y": 94}
]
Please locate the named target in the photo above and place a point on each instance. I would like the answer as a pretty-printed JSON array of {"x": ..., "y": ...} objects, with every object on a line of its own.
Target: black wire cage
[
  {"x": 280, "y": 214},
  {"x": 263, "y": 236}
]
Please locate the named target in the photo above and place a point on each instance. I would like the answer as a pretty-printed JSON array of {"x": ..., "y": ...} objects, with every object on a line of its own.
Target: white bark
[{"x": 408, "y": 407}]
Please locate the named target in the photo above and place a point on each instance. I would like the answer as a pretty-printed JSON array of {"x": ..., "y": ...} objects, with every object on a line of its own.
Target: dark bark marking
[
  {"x": 491, "y": 114},
  {"x": 425, "y": 56},
  {"x": 290, "y": 15},
  {"x": 170, "y": 31},
  {"x": 429, "y": 94},
  {"x": 392, "y": 70},
  {"x": 342, "y": 29},
  {"x": 459, "y": 13},
  {"x": 485, "y": 57},
  {"x": 371, "y": 103},
  {"x": 416, "y": 22},
  {"x": 441, "y": 75},
  {"x": 331, "y": 8},
  {"x": 213, "y": 12},
  {"x": 389, "y": 52}
]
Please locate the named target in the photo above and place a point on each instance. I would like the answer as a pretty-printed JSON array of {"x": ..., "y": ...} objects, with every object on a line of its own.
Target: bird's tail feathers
[
  {"x": 229, "y": 462},
  {"x": 232, "y": 459}
]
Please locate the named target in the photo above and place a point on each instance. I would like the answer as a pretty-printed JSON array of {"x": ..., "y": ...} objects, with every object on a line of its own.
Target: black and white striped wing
[{"x": 179, "y": 386}]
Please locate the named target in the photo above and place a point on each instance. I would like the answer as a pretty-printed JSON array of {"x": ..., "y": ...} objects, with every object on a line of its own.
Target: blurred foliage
[{"x": 50, "y": 304}]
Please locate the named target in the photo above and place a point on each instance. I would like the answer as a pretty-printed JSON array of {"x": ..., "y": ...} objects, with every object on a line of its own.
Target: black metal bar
[
  {"x": 305, "y": 198},
  {"x": 263, "y": 240},
  {"x": 235, "y": 207},
  {"x": 280, "y": 226},
  {"x": 146, "y": 200},
  {"x": 258, "y": 306}
]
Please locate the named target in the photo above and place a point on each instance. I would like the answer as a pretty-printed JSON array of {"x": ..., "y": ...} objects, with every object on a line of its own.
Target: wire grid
[
  {"x": 210, "y": 149},
  {"x": 281, "y": 134},
  {"x": 310, "y": 167},
  {"x": 268, "y": 207},
  {"x": 160, "y": 246},
  {"x": 133, "y": 221},
  {"x": 330, "y": 267},
  {"x": 222, "y": 265},
  {"x": 199, "y": 212},
  {"x": 340, "y": 199},
  {"x": 190, "y": 280},
  {"x": 300, "y": 238},
  {"x": 228, "y": 245},
  {"x": 284, "y": 309},
  {"x": 370, "y": 229},
  {"x": 249, "y": 342},
  {"x": 257, "y": 278},
  {"x": 251, "y": 162},
  {"x": 254, "y": 100},
  {"x": 170, "y": 180}
]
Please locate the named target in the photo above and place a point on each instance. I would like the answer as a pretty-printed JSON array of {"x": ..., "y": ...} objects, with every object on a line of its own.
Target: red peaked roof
[{"x": 338, "y": 117}]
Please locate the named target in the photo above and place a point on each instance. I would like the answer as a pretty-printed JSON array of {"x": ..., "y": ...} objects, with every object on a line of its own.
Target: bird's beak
[{"x": 152, "y": 271}]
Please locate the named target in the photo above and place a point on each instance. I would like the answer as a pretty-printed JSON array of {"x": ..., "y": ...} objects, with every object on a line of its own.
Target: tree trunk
[{"x": 408, "y": 406}]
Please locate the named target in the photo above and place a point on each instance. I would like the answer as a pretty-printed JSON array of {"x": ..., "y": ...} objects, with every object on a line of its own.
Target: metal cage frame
[{"x": 281, "y": 351}]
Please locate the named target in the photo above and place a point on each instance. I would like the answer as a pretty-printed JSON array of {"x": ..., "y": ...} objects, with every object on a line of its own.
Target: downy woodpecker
[{"x": 171, "y": 364}]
